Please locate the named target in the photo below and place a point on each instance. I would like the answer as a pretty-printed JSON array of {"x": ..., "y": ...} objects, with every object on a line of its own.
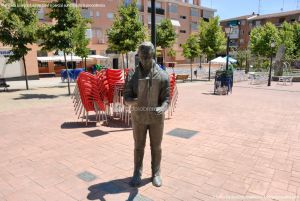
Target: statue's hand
[
  {"x": 131, "y": 102},
  {"x": 159, "y": 110}
]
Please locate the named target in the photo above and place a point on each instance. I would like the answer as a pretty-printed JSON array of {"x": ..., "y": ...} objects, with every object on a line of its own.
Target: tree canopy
[
  {"x": 18, "y": 28},
  {"x": 165, "y": 34},
  {"x": 61, "y": 35},
  {"x": 261, "y": 39},
  {"x": 286, "y": 35},
  {"x": 127, "y": 32},
  {"x": 191, "y": 48},
  {"x": 211, "y": 37}
]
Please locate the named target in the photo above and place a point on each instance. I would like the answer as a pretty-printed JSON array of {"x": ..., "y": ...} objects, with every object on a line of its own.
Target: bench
[
  {"x": 182, "y": 77},
  {"x": 285, "y": 80},
  {"x": 3, "y": 84}
]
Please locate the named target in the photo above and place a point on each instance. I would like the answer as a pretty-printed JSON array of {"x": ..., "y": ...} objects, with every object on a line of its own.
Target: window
[
  {"x": 194, "y": 12},
  {"x": 243, "y": 22},
  {"x": 182, "y": 17},
  {"x": 110, "y": 16},
  {"x": 97, "y": 14},
  {"x": 41, "y": 14},
  {"x": 281, "y": 20},
  {"x": 92, "y": 52},
  {"x": 182, "y": 31},
  {"x": 157, "y": 4},
  {"x": 41, "y": 53},
  {"x": 241, "y": 41},
  {"x": 158, "y": 19},
  {"x": 89, "y": 33},
  {"x": 173, "y": 8},
  {"x": 42, "y": 64},
  {"x": 85, "y": 13},
  {"x": 194, "y": 26},
  {"x": 98, "y": 33},
  {"x": 91, "y": 13}
]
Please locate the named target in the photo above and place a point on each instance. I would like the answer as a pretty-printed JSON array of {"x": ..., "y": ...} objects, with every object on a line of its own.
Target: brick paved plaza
[{"x": 247, "y": 148}]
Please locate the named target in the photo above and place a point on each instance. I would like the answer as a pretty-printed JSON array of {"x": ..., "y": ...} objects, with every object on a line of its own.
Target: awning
[
  {"x": 97, "y": 57},
  {"x": 219, "y": 60},
  {"x": 230, "y": 59},
  {"x": 50, "y": 58},
  {"x": 60, "y": 58},
  {"x": 175, "y": 23}
]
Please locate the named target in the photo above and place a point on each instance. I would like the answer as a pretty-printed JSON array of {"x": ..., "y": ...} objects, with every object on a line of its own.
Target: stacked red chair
[
  {"x": 101, "y": 93},
  {"x": 89, "y": 92},
  {"x": 173, "y": 94},
  {"x": 115, "y": 77}
]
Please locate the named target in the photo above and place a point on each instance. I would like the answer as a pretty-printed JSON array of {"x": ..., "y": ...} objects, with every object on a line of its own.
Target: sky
[{"x": 234, "y": 8}]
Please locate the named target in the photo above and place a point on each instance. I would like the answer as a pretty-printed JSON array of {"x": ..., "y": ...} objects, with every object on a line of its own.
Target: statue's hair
[{"x": 147, "y": 45}]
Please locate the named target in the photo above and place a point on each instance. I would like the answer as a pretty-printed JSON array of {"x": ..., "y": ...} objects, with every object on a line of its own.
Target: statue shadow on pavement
[{"x": 118, "y": 186}]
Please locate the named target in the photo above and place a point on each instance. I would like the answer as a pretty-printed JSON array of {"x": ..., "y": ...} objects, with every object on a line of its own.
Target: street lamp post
[
  {"x": 272, "y": 45},
  {"x": 227, "y": 31},
  {"x": 153, "y": 28}
]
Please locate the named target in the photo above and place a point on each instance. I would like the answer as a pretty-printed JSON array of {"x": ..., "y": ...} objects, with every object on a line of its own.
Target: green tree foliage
[
  {"x": 81, "y": 42},
  {"x": 211, "y": 37},
  {"x": 18, "y": 28},
  {"x": 286, "y": 35},
  {"x": 191, "y": 50},
  {"x": 62, "y": 35},
  {"x": 296, "y": 31},
  {"x": 261, "y": 38},
  {"x": 127, "y": 32},
  {"x": 171, "y": 53},
  {"x": 165, "y": 35}
]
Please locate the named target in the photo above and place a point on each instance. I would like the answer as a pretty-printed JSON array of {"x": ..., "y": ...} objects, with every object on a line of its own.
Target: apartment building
[
  {"x": 184, "y": 15},
  {"x": 241, "y": 26}
]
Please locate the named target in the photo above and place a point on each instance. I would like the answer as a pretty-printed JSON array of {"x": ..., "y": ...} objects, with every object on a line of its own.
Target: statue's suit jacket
[{"x": 151, "y": 90}]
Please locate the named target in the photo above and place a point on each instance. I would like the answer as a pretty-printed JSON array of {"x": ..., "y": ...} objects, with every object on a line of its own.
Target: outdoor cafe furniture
[
  {"x": 103, "y": 92},
  {"x": 285, "y": 80},
  {"x": 258, "y": 78}
]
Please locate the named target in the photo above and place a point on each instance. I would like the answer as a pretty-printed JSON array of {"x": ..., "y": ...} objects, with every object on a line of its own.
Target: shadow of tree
[
  {"x": 35, "y": 96},
  {"x": 118, "y": 186}
]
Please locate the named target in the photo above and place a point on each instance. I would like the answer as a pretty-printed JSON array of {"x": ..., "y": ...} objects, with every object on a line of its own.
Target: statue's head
[{"x": 146, "y": 53}]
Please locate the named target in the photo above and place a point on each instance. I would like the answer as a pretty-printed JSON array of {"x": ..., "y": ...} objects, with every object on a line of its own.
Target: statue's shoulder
[{"x": 163, "y": 74}]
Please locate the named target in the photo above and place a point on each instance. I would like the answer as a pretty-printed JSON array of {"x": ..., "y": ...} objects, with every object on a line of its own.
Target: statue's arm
[
  {"x": 128, "y": 93},
  {"x": 164, "y": 95}
]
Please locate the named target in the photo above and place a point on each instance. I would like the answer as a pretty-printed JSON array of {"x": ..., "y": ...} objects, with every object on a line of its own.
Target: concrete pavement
[{"x": 247, "y": 148}]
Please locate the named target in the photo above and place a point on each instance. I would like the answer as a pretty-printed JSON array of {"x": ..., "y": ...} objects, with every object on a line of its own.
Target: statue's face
[{"x": 146, "y": 57}]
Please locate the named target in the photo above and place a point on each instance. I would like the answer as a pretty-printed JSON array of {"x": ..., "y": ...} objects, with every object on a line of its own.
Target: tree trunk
[
  {"x": 209, "y": 65},
  {"x": 25, "y": 71},
  {"x": 127, "y": 59},
  {"x": 191, "y": 70},
  {"x": 247, "y": 65},
  {"x": 163, "y": 56},
  {"x": 85, "y": 63},
  {"x": 72, "y": 60},
  {"x": 69, "y": 90}
]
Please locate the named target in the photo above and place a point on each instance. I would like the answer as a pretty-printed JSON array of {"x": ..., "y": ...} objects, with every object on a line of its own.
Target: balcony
[{"x": 159, "y": 11}]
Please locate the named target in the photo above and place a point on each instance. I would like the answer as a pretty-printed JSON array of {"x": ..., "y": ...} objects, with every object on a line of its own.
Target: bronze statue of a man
[{"x": 147, "y": 91}]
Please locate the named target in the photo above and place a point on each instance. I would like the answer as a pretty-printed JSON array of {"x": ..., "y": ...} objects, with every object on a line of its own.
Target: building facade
[
  {"x": 242, "y": 26},
  {"x": 184, "y": 15}
]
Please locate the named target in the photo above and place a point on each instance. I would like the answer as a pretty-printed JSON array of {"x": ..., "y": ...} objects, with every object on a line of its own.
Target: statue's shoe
[
  {"x": 135, "y": 181},
  {"x": 156, "y": 181}
]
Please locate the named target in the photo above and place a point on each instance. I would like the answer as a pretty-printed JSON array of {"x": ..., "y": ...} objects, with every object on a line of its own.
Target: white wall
[{"x": 9, "y": 70}]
